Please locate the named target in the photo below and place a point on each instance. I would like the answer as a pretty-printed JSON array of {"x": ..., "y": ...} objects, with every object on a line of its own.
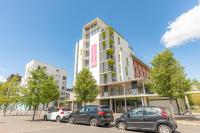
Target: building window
[
  {"x": 126, "y": 71},
  {"x": 118, "y": 40},
  {"x": 64, "y": 83},
  {"x": 64, "y": 78},
  {"x": 127, "y": 61},
  {"x": 62, "y": 93},
  {"x": 105, "y": 78},
  {"x": 63, "y": 87}
]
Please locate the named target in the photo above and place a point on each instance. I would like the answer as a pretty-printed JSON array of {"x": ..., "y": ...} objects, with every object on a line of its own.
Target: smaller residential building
[
  {"x": 60, "y": 75},
  {"x": 141, "y": 70}
]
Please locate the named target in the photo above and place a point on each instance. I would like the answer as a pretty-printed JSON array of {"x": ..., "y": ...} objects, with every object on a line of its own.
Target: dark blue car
[{"x": 147, "y": 119}]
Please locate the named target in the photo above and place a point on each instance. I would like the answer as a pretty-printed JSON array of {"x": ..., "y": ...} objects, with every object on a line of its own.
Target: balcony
[
  {"x": 120, "y": 92},
  {"x": 108, "y": 66},
  {"x": 106, "y": 44},
  {"x": 107, "y": 55},
  {"x": 108, "y": 77}
]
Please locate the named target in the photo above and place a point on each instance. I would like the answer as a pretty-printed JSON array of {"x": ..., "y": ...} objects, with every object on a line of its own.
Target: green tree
[
  {"x": 167, "y": 77},
  {"x": 9, "y": 92},
  {"x": 41, "y": 89},
  {"x": 85, "y": 86}
]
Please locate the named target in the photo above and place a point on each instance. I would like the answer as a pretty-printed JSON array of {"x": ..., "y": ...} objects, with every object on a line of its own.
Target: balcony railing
[
  {"x": 121, "y": 92},
  {"x": 105, "y": 56}
]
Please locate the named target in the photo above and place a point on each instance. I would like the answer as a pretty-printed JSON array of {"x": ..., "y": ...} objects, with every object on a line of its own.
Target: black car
[
  {"x": 93, "y": 115},
  {"x": 147, "y": 119},
  {"x": 65, "y": 118}
]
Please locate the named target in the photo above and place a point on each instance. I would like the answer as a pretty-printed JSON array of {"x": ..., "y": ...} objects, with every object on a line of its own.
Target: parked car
[
  {"x": 93, "y": 115},
  {"x": 65, "y": 119},
  {"x": 147, "y": 118},
  {"x": 56, "y": 114}
]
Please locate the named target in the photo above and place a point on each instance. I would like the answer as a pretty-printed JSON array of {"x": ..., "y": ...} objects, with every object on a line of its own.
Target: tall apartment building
[
  {"x": 60, "y": 75},
  {"x": 105, "y": 52},
  {"x": 120, "y": 75}
]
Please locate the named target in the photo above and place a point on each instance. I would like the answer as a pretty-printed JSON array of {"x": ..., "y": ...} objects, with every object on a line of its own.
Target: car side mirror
[
  {"x": 77, "y": 112},
  {"x": 128, "y": 115}
]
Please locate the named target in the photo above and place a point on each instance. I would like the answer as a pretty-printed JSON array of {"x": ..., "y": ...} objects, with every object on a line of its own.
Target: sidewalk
[{"x": 188, "y": 120}]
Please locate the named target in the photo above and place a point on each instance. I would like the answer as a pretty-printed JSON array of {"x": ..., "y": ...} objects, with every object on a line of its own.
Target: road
[{"x": 22, "y": 124}]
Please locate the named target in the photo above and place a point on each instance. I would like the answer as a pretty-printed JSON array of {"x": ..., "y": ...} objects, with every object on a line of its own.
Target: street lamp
[{"x": 124, "y": 87}]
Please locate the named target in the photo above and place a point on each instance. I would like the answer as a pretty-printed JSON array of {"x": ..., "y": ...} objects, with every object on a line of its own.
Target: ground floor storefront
[{"x": 121, "y": 105}]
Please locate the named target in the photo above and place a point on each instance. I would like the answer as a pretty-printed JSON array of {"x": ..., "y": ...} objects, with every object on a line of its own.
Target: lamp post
[{"x": 124, "y": 87}]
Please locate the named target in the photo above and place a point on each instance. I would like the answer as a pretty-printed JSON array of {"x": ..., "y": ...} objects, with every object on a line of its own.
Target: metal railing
[{"x": 121, "y": 92}]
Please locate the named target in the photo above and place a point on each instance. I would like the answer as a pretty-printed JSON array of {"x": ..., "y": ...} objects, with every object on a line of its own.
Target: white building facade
[
  {"x": 119, "y": 74},
  {"x": 105, "y": 52},
  {"x": 59, "y": 75}
]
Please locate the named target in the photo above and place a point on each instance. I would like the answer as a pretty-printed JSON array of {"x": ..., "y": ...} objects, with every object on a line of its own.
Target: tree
[
  {"x": 9, "y": 92},
  {"x": 167, "y": 77},
  {"x": 85, "y": 86},
  {"x": 41, "y": 89}
]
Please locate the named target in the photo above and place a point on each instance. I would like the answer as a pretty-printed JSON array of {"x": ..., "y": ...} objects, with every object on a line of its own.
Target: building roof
[{"x": 45, "y": 64}]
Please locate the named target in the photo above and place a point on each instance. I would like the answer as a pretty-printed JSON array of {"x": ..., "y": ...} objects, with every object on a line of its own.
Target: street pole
[
  {"x": 124, "y": 87},
  {"x": 188, "y": 105},
  {"x": 143, "y": 87}
]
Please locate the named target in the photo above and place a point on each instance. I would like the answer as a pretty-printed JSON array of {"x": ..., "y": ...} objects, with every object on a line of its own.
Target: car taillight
[
  {"x": 61, "y": 112},
  {"x": 101, "y": 113},
  {"x": 164, "y": 114}
]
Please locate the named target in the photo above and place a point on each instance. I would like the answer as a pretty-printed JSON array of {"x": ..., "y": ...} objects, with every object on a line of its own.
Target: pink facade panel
[{"x": 94, "y": 55}]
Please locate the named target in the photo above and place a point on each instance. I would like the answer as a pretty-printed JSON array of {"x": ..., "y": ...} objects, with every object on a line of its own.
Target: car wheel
[
  {"x": 45, "y": 118},
  {"x": 107, "y": 125},
  {"x": 93, "y": 122},
  {"x": 121, "y": 126},
  {"x": 58, "y": 118},
  {"x": 164, "y": 129},
  {"x": 71, "y": 120}
]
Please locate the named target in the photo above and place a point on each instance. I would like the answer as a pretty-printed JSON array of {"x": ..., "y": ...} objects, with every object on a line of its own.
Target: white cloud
[
  {"x": 184, "y": 29},
  {"x": 2, "y": 79}
]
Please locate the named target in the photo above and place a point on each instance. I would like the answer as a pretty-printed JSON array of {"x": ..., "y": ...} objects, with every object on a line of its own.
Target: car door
[
  {"x": 150, "y": 117},
  {"x": 135, "y": 119},
  {"x": 48, "y": 113},
  {"x": 77, "y": 115},
  {"x": 85, "y": 115},
  {"x": 53, "y": 113}
]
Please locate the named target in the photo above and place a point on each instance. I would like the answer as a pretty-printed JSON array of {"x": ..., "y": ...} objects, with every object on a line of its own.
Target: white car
[{"x": 56, "y": 114}]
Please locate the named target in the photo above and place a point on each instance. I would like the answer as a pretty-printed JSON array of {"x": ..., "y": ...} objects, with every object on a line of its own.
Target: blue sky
[{"x": 47, "y": 30}]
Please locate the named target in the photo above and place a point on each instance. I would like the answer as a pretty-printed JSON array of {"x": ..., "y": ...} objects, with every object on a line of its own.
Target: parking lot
[{"x": 22, "y": 124}]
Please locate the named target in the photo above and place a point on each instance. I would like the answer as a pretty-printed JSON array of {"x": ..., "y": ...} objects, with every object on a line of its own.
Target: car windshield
[
  {"x": 105, "y": 109},
  {"x": 54, "y": 109}
]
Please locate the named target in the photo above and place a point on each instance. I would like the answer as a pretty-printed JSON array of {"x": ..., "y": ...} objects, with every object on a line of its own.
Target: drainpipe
[{"x": 115, "y": 106}]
